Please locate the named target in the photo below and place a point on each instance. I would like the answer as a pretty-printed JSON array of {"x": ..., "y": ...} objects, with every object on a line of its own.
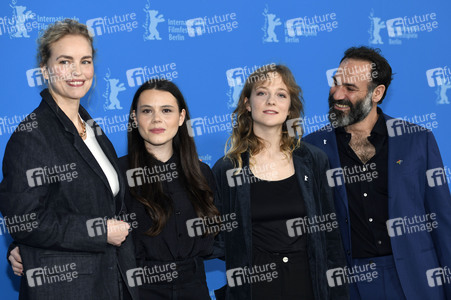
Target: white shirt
[{"x": 102, "y": 160}]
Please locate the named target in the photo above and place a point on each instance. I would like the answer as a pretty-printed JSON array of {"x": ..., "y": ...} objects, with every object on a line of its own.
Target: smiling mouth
[
  {"x": 76, "y": 83},
  {"x": 341, "y": 106}
]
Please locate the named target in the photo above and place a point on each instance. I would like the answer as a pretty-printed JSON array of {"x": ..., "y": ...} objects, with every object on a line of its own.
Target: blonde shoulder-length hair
[{"x": 243, "y": 138}]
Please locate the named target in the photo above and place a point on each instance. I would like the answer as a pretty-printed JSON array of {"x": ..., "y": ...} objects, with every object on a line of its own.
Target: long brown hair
[
  {"x": 243, "y": 138},
  {"x": 158, "y": 205}
]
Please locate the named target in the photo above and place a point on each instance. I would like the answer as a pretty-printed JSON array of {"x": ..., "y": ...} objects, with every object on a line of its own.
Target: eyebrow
[
  {"x": 345, "y": 83},
  {"x": 263, "y": 87},
  {"x": 164, "y": 106},
  {"x": 70, "y": 57}
]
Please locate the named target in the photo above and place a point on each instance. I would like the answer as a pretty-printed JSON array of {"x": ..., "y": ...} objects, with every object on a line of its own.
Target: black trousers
[
  {"x": 190, "y": 283},
  {"x": 293, "y": 280}
]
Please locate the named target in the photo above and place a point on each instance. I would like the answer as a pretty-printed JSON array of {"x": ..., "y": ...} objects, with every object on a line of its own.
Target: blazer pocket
[{"x": 69, "y": 277}]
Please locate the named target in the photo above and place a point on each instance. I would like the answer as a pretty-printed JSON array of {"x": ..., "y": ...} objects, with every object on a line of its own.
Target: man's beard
[{"x": 355, "y": 114}]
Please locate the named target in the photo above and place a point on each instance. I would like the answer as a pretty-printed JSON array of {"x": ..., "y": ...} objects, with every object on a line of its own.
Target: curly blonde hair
[{"x": 243, "y": 138}]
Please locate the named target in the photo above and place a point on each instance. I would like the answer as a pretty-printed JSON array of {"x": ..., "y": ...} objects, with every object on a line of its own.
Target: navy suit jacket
[{"x": 414, "y": 188}]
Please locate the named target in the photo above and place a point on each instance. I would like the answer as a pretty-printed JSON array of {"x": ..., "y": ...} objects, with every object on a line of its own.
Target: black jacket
[
  {"x": 325, "y": 250},
  {"x": 173, "y": 243},
  {"x": 65, "y": 233}
]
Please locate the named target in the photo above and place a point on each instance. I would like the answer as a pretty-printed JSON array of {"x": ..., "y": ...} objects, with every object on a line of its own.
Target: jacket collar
[{"x": 79, "y": 144}]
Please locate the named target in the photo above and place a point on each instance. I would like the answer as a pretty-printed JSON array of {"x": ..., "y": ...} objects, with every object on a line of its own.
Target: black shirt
[
  {"x": 174, "y": 242},
  {"x": 367, "y": 190},
  {"x": 273, "y": 203}
]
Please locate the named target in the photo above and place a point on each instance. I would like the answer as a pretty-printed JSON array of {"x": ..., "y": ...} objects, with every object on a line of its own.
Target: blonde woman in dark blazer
[{"x": 64, "y": 175}]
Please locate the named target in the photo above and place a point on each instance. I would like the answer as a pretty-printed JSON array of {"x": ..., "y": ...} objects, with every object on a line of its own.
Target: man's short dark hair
[{"x": 381, "y": 72}]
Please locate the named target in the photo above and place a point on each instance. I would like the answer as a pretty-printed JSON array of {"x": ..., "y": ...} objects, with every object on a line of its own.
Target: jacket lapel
[
  {"x": 397, "y": 154},
  {"x": 329, "y": 145},
  {"x": 73, "y": 136},
  {"x": 304, "y": 177},
  {"x": 243, "y": 206},
  {"x": 110, "y": 153}
]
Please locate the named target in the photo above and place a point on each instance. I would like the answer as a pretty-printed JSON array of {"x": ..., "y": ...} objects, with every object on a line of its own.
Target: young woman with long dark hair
[{"x": 169, "y": 190}]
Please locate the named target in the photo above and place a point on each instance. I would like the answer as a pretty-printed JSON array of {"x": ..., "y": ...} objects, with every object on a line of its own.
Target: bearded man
[{"x": 391, "y": 195}]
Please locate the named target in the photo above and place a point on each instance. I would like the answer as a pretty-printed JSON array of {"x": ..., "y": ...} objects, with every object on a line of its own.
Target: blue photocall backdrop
[{"x": 208, "y": 48}]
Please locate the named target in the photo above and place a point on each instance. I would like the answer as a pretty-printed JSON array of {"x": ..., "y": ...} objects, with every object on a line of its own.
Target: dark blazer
[
  {"x": 324, "y": 248},
  {"x": 63, "y": 210},
  {"x": 410, "y": 155}
]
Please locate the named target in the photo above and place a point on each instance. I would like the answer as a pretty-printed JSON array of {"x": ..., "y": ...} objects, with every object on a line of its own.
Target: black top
[
  {"x": 273, "y": 203},
  {"x": 367, "y": 190},
  {"x": 174, "y": 242}
]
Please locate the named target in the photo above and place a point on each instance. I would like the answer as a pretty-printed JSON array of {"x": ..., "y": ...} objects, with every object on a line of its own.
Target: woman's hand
[
  {"x": 16, "y": 261},
  {"x": 117, "y": 231}
]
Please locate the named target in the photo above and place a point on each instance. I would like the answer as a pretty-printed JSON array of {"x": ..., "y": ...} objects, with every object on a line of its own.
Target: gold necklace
[{"x": 83, "y": 125}]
